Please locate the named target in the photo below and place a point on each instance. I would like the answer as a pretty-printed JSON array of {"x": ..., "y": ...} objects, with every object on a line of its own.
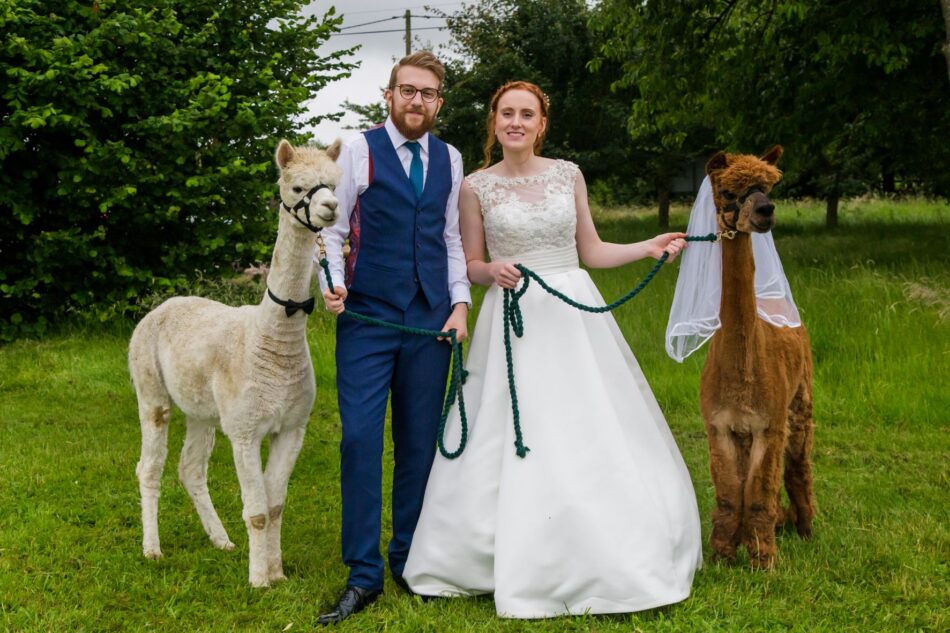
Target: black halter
[
  {"x": 304, "y": 204},
  {"x": 735, "y": 204},
  {"x": 290, "y": 306}
]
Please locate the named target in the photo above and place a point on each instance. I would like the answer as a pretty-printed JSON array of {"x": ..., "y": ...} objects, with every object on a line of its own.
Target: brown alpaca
[{"x": 755, "y": 392}]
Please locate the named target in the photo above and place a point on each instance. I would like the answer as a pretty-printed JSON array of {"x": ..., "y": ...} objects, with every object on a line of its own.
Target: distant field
[{"x": 874, "y": 293}]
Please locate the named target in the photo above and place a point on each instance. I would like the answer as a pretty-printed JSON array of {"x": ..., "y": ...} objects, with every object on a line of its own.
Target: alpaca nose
[
  {"x": 765, "y": 208},
  {"x": 330, "y": 204}
]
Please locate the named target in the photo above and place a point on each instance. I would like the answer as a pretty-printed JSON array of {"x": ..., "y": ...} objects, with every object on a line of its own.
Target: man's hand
[
  {"x": 334, "y": 300},
  {"x": 458, "y": 321}
]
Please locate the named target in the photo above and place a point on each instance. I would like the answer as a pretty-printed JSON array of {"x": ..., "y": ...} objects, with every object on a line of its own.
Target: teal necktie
[{"x": 415, "y": 167}]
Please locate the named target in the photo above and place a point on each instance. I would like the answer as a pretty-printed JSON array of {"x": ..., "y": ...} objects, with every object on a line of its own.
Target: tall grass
[{"x": 873, "y": 294}]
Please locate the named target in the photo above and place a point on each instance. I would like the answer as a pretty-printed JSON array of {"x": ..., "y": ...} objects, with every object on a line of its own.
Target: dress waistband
[{"x": 555, "y": 260}]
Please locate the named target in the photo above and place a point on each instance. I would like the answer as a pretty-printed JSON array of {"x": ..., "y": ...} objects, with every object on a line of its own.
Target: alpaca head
[
  {"x": 741, "y": 184},
  {"x": 301, "y": 170}
]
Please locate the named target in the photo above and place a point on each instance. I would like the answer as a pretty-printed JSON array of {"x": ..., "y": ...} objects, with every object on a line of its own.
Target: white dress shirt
[{"x": 354, "y": 160}]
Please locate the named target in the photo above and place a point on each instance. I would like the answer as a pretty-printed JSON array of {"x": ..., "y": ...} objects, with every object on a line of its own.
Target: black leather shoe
[
  {"x": 353, "y": 600},
  {"x": 402, "y": 584}
]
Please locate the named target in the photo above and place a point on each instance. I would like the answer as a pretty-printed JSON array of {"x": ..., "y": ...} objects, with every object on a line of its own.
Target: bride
[{"x": 600, "y": 516}]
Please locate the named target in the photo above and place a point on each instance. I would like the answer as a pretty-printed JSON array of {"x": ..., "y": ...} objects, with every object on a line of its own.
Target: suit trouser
[{"x": 372, "y": 362}]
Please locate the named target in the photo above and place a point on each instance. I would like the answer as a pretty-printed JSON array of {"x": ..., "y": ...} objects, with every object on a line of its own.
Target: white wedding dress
[{"x": 600, "y": 516}]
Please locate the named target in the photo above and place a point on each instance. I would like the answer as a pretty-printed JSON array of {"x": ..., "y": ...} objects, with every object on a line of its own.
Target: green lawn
[{"x": 875, "y": 295}]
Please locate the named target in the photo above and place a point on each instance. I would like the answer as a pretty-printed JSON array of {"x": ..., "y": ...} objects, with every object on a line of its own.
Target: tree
[
  {"x": 848, "y": 87},
  {"x": 136, "y": 142},
  {"x": 548, "y": 43},
  {"x": 370, "y": 114},
  {"x": 945, "y": 7},
  {"x": 663, "y": 58}
]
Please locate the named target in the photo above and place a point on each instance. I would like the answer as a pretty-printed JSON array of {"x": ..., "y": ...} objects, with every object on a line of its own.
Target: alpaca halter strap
[
  {"x": 304, "y": 203},
  {"x": 736, "y": 204},
  {"x": 290, "y": 306}
]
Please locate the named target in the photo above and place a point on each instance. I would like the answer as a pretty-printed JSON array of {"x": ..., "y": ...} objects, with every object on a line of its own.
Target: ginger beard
[{"x": 413, "y": 117}]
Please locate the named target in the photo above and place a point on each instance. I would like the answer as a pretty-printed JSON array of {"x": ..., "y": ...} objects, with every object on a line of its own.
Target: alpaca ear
[
  {"x": 285, "y": 153},
  {"x": 717, "y": 162},
  {"x": 334, "y": 150},
  {"x": 771, "y": 157}
]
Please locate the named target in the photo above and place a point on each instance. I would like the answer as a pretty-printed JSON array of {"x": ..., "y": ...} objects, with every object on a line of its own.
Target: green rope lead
[
  {"x": 514, "y": 320},
  {"x": 458, "y": 374},
  {"x": 512, "y": 314}
]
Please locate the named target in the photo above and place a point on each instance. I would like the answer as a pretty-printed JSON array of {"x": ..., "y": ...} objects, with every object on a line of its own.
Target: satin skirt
[{"x": 600, "y": 516}]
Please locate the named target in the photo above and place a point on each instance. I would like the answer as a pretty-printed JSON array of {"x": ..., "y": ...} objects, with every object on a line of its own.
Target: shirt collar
[{"x": 398, "y": 140}]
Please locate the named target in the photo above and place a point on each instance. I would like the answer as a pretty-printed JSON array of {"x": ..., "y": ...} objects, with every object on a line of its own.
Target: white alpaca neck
[{"x": 289, "y": 278}]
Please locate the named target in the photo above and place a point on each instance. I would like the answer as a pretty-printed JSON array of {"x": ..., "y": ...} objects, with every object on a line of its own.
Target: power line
[
  {"x": 395, "y": 17},
  {"x": 425, "y": 28},
  {"x": 420, "y": 6}
]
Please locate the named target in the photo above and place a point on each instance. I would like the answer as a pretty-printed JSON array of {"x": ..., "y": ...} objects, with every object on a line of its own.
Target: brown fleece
[{"x": 755, "y": 392}]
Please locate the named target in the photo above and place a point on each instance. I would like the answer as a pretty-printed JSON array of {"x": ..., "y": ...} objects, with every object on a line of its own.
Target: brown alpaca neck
[{"x": 737, "y": 310}]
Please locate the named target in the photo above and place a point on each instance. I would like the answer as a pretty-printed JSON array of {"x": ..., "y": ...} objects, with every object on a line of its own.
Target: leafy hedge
[{"x": 136, "y": 142}]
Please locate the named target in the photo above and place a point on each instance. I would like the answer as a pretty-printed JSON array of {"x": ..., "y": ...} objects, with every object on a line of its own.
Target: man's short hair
[{"x": 419, "y": 59}]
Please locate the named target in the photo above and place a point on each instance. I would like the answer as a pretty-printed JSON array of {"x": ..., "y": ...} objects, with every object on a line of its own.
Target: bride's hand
[
  {"x": 504, "y": 274},
  {"x": 672, "y": 243}
]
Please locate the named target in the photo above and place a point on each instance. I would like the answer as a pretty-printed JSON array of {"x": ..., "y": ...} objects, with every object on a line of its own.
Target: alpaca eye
[
  {"x": 728, "y": 195},
  {"x": 298, "y": 189}
]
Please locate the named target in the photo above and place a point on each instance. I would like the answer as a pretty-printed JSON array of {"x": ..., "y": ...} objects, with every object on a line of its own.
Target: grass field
[{"x": 875, "y": 295}]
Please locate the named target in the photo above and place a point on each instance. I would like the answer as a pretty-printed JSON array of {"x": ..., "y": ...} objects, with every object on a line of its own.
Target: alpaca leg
[
  {"x": 193, "y": 472},
  {"x": 247, "y": 462},
  {"x": 154, "y": 420},
  {"x": 798, "y": 477},
  {"x": 284, "y": 449},
  {"x": 724, "y": 467},
  {"x": 760, "y": 509},
  {"x": 783, "y": 515}
]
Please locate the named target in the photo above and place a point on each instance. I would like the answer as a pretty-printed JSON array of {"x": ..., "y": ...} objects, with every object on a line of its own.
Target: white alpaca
[{"x": 244, "y": 370}]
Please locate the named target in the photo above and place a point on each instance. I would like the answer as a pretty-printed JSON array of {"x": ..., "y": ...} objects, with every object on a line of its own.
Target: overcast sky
[{"x": 378, "y": 52}]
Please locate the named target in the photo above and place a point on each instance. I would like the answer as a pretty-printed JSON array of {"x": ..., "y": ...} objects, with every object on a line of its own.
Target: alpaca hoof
[
  {"x": 764, "y": 562},
  {"x": 723, "y": 558},
  {"x": 260, "y": 583},
  {"x": 804, "y": 530},
  {"x": 224, "y": 544},
  {"x": 275, "y": 570},
  {"x": 153, "y": 554}
]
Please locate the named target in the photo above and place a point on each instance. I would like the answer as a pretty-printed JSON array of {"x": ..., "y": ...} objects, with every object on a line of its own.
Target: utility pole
[{"x": 408, "y": 33}]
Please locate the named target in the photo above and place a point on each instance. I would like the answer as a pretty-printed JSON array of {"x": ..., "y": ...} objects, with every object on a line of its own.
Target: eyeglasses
[{"x": 409, "y": 91}]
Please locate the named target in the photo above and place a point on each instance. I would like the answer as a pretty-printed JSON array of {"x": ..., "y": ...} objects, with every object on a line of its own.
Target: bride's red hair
[{"x": 493, "y": 110}]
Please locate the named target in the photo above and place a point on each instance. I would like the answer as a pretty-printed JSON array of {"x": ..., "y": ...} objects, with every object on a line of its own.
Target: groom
[{"x": 398, "y": 204}]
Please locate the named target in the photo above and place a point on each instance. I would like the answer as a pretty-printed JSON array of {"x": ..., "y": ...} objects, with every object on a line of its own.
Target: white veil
[{"x": 694, "y": 316}]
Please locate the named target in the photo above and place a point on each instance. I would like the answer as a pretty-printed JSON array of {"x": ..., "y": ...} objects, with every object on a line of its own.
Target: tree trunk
[
  {"x": 945, "y": 5},
  {"x": 888, "y": 184},
  {"x": 831, "y": 210}
]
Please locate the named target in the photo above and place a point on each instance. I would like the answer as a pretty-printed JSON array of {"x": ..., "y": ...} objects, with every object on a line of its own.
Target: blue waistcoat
[{"x": 397, "y": 242}]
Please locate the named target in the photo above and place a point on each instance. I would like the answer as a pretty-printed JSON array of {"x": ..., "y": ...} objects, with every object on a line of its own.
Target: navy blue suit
[{"x": 396, "y": 271}]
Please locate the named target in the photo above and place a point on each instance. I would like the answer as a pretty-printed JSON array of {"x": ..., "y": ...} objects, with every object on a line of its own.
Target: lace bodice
[{"x": 527, "y": 214}]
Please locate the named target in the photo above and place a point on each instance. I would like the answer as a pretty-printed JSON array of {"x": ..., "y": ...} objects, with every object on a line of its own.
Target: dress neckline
[{"x": 523, "y": 179}]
